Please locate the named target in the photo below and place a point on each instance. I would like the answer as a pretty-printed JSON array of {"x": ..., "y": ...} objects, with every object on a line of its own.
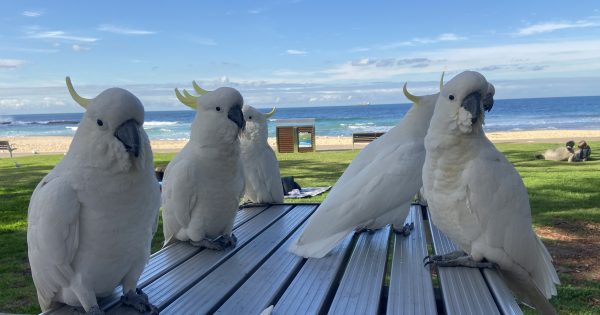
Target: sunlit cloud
[
  {"x": 446, "y": 37},
  {"x": 11, "y": 63},
  {"x": 59, "y": 35},
  {"x": 547, "y": 27},
  {"x": 123, "y": 30},
  {"x": 30, "y": 13},
  {"x": 517, "y": 60},
  {"x": 80, "y": 48},
  {"x": 295, "y": 52}
]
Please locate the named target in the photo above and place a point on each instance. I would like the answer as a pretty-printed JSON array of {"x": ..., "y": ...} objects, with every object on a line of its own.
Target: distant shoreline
[{"x": 28, "y": 145}]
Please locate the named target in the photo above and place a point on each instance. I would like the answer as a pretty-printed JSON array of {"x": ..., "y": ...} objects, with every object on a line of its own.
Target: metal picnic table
[{"x": 368, "y": 273}]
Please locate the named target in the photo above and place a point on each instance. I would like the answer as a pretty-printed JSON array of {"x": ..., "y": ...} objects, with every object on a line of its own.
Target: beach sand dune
[{"x": 58, "y": 144}]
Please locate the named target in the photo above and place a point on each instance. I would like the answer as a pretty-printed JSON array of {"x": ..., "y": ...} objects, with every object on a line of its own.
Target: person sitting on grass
[
  {"x": 583, "y": 154},
  {"x": 559, "y": 154}
]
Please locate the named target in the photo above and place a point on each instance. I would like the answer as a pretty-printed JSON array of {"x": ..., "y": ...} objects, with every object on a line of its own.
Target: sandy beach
[{"x": 57, "y": 145}]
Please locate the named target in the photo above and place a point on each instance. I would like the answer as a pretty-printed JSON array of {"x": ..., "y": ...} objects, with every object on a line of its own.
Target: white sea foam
[
  {"x": 72, "y": 128},
  {"x": 159, "y": 123}
]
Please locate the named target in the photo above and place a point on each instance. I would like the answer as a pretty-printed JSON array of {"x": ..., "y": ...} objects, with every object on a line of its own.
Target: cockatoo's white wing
[
  {"x": 391, "y": 179},
  {"x": 498, "y": 196},
  {"x": 178, "y": 197},
  {"x": 366, "y": 155},
  {"x": 52, "y": 235}
]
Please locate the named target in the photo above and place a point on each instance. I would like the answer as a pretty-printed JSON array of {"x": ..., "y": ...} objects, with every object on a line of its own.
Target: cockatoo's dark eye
[
  {"x": 99, "y": 122},
  {"x": 218, "y": 109},
  {"x": 250, "y": 117},
  {"x": 451, "y": 97}
]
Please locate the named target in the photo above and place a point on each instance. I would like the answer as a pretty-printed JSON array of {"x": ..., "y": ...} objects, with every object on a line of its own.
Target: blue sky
[{"x": 293, "y": 52}]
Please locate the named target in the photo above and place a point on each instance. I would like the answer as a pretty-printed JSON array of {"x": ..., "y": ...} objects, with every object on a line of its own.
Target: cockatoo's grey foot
[
  {"x": 250, "y": 204},
  {"x": 218, "y": 243},
  {"x": 405, "y": 230},
  {"x": 94, "y": 310},
  {"x": 447, "y": 256},
  {"x": 139, "y": 301},
  {"x": 364, "y": 229},
  {"x": 457, "y": 259}
]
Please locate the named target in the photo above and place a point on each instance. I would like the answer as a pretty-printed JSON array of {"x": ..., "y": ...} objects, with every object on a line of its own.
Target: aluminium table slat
[
  {"x": 464, "y": 290},
  {"x": 258, "y": 292},
  {"x": 411, "y": 288},
  {"x": 205, "y": 296},
  {"x": 308, "y": 291},
  {"x": 173, "y": 283},
  {"x": 163, "y": 261},
  {"x": 504, "y": 297},
  {"x": 360, "y": 289}
]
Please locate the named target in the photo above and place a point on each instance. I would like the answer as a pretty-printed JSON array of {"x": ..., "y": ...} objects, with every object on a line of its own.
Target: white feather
[
  {"x": 477, "y": 198},
  {"x": 204, "y": 182},
  {"x": 261, "y": 168},
  {"x": 375, "y": 189},
  {"x": 91, "y": 219}
]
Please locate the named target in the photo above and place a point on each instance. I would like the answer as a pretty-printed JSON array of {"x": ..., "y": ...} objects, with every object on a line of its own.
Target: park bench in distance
[
  {"x": 365, "y": 137},
  {"x": 6, "y": 146},
  {"x": 368, "y": 273}
]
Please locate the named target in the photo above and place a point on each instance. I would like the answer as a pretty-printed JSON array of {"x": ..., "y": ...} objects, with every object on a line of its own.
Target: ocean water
[{"x": 507, "y": 115}]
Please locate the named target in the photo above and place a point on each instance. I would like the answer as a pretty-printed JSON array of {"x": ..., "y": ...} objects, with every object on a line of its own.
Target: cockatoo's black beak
[
  {"x": 488, "y": 102},
  {"x": 128, "y": 133},
  {"x": 472, "y": 103},
  {"x": 235, "y": 114}
]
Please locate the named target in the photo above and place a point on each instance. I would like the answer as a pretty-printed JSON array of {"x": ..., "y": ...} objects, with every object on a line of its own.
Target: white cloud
[
  {"x": 547, "y": 27},
  {"x": 80, "y": 48},
  {"x": 515, "y": 61},
  {"x": 295, "y": 52},
  {"x": 11, "y": 63},
  {"x": 31, "y": 50},
  {"x": 256, "y": 11},
  {"x": 30, "y": 13},
  {"x": 446, "y": 37},
  {"x": 123, "y": 30},
  {"x": 60, "y": 35}
]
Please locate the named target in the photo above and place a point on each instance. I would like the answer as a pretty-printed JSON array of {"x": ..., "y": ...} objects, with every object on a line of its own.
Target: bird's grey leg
[
  {"x": 405, "y": 230},
  {"x": 139, "y": 301},
  {"x": 456, "y": 259},
  {"x": 219, "y": 243}
]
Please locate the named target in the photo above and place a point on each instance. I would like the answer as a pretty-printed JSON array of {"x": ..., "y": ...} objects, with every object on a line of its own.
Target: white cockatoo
[
  {"x": 91, "y": 219},
  {"x": 261, "y": 168},
  {"x": 377, "y": 187},
  {"x": 477, "y": 198},
  {"x": 203, "y": 184}
]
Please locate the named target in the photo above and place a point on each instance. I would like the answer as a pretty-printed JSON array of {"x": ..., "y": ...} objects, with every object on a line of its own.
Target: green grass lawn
[{"x": 559, "y": 192}]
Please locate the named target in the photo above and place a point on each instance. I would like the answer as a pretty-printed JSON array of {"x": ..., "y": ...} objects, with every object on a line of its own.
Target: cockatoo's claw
[
  {"x": 364, "y": 229},
  {"x": 139, "y": 301},
  {"x": 405, "y": 230},
  {"x": 456, "y": 259},
  {"x": 218, "y": 243}
]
